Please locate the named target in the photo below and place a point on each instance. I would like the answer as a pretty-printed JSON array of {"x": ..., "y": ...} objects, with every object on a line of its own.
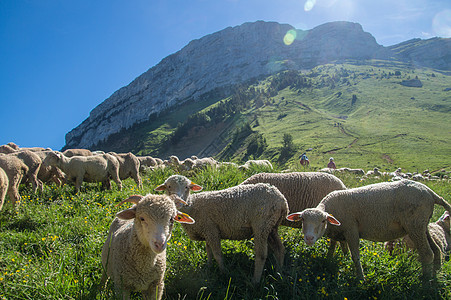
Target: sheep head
[
  {"x": 314, "y": 223},
  {"x": 178, "y": 185},
  {"x": 153, "y": 218}
]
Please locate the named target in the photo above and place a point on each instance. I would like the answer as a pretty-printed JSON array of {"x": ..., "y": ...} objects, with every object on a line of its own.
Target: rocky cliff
[{"x": 227, "y": 57}]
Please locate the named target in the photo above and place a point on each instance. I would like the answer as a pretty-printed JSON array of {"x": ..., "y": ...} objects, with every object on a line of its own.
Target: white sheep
[
  {"x": 4, "y": 184},
  {"x": 260, "y": 163},
  {"x": 236, "y": 213},
  {"x": 351, "y": 171},
  {"x": 199, "y": 163},
  {"x": 302, "y": 190},
  {"x": 50, "y": 173},
  {"x": 378, "y": 212},
  {"x": 15, "y": 170},
  {"x": 33, "y": 162},
  {"x": 7, "y": 149},
  {"x": 134, "y": 254},
  {"x": 97, "y": 168},
  {"x": 128, "y": 167},
  {"x": 77, "y": 152}
]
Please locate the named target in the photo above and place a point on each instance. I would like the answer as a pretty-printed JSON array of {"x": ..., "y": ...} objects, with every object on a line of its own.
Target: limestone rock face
[{"x": 224, "y": 58}]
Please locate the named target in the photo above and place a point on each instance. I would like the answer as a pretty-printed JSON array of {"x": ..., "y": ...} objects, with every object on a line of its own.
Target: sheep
[
  {"x": 374, "y": 172},
  {"x": 302, "y": 190},
  {"x": 199, "y": 164},
  {"x": 261, "y": 163},
  {"x": 13, "y": 145},
  {"x": 128, "y": 167},
  {"x": 50, "y": 173},
  {"x": 77, "y": 152},
  {"x": 33, "y": 162},
  {"x": 236, "y": 213},
  {"x": 97, "y": 168},
  {"x": 6, "y": 149},
  {"x": 147, "y": 162},
  {"x": 439, "y": 231},
  {"x": 379, "y": 212},
  {"x": 351, "y": 171},
  {"x": 15, "y": 169},
  {"x": 134, "y": 253},
  {"x": 4, "y": 184}
]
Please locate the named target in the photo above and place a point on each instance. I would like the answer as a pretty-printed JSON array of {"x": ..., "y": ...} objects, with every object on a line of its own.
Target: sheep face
[
  {"x": 153, "y": 221},
  {"x": 178, "y": 185},
  {"x": 444, "y": 222},
  {"x": 314, "y": 223}
]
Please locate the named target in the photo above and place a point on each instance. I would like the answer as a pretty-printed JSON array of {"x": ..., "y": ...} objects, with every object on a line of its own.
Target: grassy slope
[
  {"x": 388, "y": 126},
  {"x": 50, "y": 249}
]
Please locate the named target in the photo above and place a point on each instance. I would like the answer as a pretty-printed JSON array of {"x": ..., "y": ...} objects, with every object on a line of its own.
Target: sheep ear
[
  {"x": 161, "y": 187},
  {"x": 332, "y": 220},
  {"x": 295, "y": 217},
  {"x": 184, "y": 218},
  {"x": 127, "y": 214},
  {"x": 195, "y": 187}
]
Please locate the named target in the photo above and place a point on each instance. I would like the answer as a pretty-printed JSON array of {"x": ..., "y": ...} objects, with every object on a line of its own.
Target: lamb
[
  {"x": 147, "y": 161},
  {"x": 15, "y": 169},
  {"x": 262, "y": 163},
  {"x": 77, "y": 152},
  {"x": 33, "y": 162},
  {"x": 440, "y": 233},
  {"x": 4, "y": 184},
  {"x": 134, "y": 253},
  {"x": 50, "y": 173},
  {"x": 236, "y": 213},
  {"x": 378, "y": 212},
  {"x": 128, "y": 167},
  {"x": 302, "y": 190},
  {"x": 97, "y": 168},
  {"x": 351, "y": 171},
  {"x": 199, "y": 164}
]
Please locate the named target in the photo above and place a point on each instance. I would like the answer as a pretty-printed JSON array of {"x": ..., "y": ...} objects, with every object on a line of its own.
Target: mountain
[{"x": 222, "y": 59}]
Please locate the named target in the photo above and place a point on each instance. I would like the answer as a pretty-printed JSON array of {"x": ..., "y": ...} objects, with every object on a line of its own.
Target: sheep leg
[
  {"x": 13, "y": 189},
  {"x": 419, "y": 238},
  {"x": 352, "y": 238},
  {"x": 138, "y": 180},
  {"x": 213, "y": 242},
  {"x": 344, "y": 247},
  {"x": 261, "y": 252},
  {"x": 332, "y": 246},
  {"x": 78, "y": 182},
  {"x": 277, "y": 247},
  {"x": 209, "y": 254}
]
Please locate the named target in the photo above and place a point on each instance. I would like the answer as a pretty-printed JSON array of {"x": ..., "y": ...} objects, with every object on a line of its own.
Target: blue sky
[{"x": 61, "y": 58}]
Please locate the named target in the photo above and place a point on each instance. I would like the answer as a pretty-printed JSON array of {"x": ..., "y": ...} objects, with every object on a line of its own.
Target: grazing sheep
[
  {"x": 374, "y": 172},
  {"x": 236, "y": 213},
  {"x": 128, "y": 167},
  {"x": 261, "y": 163},
  {"x": 33, "y": 162},
  {"x": 97, "y": 168},
  {"x": 77, "y": 152},
  {"x": 6, "y": 149},
  {"x": 378, "y": 212},
  {"x": 351, "y": 171},
  {"x": 4, "y": 183},
  {"x": 134, "y": 254},
  {"x": 302, "y": 190},
  {"x": 198, "y": 164},
  {"x": 147, "y": 162},
  {"x": 13, "y": 145},
  {"x": 440, "y": 233},
  {"x": 50, "y": 173},
  {"x": 15, "y": 169}
]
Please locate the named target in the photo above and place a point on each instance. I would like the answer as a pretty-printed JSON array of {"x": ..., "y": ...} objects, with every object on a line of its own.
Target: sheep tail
[{"x": 442, "y": 202}]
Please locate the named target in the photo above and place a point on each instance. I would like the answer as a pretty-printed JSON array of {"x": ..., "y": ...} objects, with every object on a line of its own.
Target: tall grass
[{"x": 50, "y": 249}]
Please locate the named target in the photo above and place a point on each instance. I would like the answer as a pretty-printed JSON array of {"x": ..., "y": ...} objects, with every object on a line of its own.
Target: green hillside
[{"x": 384, "y": 114}]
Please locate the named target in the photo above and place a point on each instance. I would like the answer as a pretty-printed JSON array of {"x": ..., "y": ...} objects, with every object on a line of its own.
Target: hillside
[{"x": 362, "y": 115}]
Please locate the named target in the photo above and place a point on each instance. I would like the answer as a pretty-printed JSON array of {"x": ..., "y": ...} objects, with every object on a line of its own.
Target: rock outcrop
[{"x": 222, "y": 59}]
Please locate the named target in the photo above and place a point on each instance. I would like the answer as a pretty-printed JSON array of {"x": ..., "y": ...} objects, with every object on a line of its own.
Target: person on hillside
[
  {"x": 331, "y": 164},
  {"x": 303, "y": 159}
]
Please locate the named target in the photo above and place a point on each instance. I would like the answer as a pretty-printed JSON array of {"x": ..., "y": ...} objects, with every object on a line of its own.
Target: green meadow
[{"x": 50, "y": 248}]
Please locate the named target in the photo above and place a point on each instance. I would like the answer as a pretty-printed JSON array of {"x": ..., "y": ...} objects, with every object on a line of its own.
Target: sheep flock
[{"x": 312, "y": 203}]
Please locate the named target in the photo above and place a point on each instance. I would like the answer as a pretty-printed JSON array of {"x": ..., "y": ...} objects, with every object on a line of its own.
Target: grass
[{"x": 50, "y": 249}]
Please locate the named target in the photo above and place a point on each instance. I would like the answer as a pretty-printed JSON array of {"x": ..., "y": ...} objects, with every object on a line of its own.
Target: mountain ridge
[{"x": 218, "y": 60}]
